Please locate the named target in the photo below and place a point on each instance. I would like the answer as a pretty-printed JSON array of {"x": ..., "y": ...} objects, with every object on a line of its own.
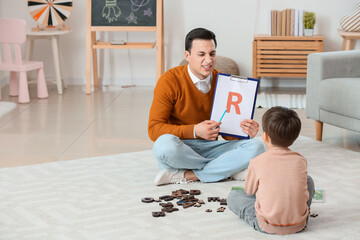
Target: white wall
[{"x": 233, "y": 21}]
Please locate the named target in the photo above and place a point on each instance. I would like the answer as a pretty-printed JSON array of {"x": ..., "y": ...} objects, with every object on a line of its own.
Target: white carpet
[
  {"x": 268, "y": 100},
  {"x": 100, "y": 198},
  {"x": 6, "y": 107}
]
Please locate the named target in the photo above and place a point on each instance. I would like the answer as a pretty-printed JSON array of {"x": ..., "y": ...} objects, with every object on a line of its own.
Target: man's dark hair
[
  {"x": 198, "y": 33},
  {"x": 283, "y": 126}
]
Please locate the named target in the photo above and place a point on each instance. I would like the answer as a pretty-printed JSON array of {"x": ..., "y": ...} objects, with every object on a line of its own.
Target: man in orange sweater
[
  {"x": 278, "y": 178},
  {"x": 186, "y": 145}
]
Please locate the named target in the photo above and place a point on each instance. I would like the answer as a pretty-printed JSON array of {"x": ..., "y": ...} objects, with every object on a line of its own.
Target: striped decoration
[
  {"x": 351, "y": 23},
  {"x": 50, "y": 12}
]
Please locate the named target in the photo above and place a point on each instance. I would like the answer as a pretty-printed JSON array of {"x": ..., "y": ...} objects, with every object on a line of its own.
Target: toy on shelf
[{"x": 50, "y": 14}]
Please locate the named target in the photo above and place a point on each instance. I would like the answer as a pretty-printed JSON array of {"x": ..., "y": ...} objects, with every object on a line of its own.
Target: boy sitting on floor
[{"x": 278, "y": 191}]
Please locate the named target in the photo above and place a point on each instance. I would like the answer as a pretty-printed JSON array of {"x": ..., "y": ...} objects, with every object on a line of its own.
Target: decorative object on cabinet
[
  {"x": 351, "y": 22},
  {"x": 309, "y": 23}
]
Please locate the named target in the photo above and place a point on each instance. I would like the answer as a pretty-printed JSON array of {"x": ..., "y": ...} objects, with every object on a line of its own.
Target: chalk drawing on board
[
  {"x": 137, "y": 4},
  {"x": 111, "y": 11},
  {"x": 131, "y": 18},
  {"x": 115, "y": 13},
  {"x": 148, "y": 12}
]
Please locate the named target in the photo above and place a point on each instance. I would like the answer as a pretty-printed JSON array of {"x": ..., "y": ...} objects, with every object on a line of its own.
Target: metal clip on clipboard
[{"x": 238, "y": 78}]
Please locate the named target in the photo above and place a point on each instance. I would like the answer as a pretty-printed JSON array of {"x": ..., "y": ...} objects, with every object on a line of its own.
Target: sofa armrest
[{"x": 325, "y": 65}]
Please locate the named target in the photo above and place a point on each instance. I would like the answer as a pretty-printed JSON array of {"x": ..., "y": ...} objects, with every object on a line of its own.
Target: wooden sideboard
[{"x": 283, "y": 56}]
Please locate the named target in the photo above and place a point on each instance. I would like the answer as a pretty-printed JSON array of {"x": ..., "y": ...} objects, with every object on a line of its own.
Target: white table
[{"x": 54, "y": 37}]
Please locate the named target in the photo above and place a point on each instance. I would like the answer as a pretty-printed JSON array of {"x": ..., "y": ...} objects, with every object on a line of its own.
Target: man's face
[{"x": 201, "y": 58}]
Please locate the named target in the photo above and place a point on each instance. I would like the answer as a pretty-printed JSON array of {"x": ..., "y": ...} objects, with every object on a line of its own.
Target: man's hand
[
  {"x": 250, "y": 127},
  {"x": 208, "y": 129}
]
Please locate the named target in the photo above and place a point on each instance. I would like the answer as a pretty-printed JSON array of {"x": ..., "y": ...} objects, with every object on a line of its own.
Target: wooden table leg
[
  {"x": 348, "y": 44},
  {"x": 60, "y": 64},
  {"x": 55, "y": 50}
]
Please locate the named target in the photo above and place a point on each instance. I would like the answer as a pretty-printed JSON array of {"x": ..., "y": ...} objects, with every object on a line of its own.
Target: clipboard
[{"x": 234, "y": 100}]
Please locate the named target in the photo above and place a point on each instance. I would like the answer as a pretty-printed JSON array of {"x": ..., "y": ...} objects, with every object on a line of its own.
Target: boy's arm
[{"x": 251, "y": 182}]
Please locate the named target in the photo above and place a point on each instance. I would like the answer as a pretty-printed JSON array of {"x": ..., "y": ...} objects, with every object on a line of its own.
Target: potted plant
[{"x": 309, "y": 23}]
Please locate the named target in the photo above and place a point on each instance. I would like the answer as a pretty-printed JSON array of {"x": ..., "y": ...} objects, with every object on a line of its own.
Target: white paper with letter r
[{"x": 238, "y": 96}]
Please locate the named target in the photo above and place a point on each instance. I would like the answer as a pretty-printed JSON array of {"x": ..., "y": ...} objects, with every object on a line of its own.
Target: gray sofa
[{"x": 333, "y": 90}]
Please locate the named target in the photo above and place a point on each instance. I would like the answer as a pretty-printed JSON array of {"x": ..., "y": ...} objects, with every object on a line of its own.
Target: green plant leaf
[{"x": 309, "y": 20}]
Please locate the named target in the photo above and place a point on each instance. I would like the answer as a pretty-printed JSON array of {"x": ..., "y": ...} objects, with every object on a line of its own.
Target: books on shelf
[
  {"x": 273, "y": 22},
  {"x": 283, "y": 22},
  {"x": 278, "y": 23},
  {"x": 301, "y": 26},
  {"x": 287, "y": 22},
  {"x": 292, "y": 22},
  {"x": 296, "y": 23}
]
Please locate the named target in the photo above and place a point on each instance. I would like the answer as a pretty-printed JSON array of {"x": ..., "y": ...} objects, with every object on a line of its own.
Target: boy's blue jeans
[{"x": 211, "y": 161}]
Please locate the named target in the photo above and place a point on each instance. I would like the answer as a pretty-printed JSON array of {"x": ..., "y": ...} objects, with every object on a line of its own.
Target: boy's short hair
[
  {"x": 282, "y": 124},
  {"x": 198, "y": 33}
]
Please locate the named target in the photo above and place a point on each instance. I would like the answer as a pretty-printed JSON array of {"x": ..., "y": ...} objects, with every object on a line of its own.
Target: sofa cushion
[{"x": 341, "y": 96}]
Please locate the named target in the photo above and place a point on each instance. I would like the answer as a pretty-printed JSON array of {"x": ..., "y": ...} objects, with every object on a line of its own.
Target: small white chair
[{"x": 12, "y": 36}]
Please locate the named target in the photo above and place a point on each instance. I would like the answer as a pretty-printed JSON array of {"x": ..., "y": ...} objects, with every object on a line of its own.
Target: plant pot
[{"x": 308, "y": 32}]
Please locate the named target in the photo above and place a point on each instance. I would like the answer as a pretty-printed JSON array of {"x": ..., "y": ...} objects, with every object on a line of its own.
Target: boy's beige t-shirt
[{"x": 278, "y": 177}]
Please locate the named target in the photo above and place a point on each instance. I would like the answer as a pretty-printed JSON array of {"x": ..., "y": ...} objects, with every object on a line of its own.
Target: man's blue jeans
[{"x": 211, "y": 161}]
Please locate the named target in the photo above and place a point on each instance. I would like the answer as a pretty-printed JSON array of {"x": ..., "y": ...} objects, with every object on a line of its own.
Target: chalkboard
[
  {"x": 122, "y": 16},
  {"x": 123, "y": 13}
]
